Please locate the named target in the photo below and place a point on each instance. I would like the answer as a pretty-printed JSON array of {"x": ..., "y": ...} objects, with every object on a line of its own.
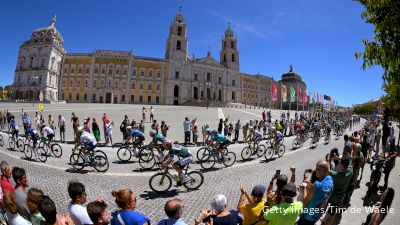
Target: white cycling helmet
[{"x": 153, "y": 132}]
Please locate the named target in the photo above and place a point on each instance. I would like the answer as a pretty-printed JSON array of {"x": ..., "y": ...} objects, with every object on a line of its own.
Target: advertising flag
[
  {"x": 305, "y": 96},
  {"x": 299, "y": 95},
  {"x": 326, "y": 97},
  {"x": 314, "y": 97},
  {"x": 274, "y": 93},
  {"x": 292, "y": 94},
  {"x": 284, "y": 93}
]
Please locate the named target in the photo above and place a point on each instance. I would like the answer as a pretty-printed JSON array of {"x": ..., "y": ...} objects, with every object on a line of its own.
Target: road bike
[
  {"x": 298, "y": 141},
  {"x": 162, "y": 181},
  {"x": 50, "y": 146},
  {"x": 40, "y": 153},
  {"x": 210, "y": 157},
  {"x": 99, "y": 161},
  {"x": 1, "y": 140},
  {"x": 16, "y": 142},
  {"x": 275, "y": 149},
  {"x": 250, "y": 150},
  {"x": 145, "y": 155},
  {"x": 315, "y": 140}
]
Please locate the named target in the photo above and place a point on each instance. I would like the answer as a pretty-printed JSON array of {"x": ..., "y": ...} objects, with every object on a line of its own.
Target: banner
[
  {"x": 40, "y": 107},
  {"x": 299, "y": 95},
  {"x": 274, "y": 93},
  {"x": 331, "y": 101},
  {"x": 292, "y": 94},
  {"x": 284, "y": 93},
  {"x": 305, "y": 96},
  {"x": 326, "y": 97},
  {"x": 321, "y": 100},
  {"x": 314, "y": 97}
]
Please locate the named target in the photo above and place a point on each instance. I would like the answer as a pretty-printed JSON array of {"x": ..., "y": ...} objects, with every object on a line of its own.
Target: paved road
[{"x": 52, "y": 177}]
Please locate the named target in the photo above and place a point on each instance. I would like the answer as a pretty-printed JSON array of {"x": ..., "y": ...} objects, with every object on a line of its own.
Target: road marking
[
  {"x": 221, "y": 114},
  {"x": 248, "y": 112}
]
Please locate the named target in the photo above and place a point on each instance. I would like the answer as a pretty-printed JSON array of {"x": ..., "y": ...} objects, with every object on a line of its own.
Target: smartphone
[
  {"x": 277, "y": 173},
  {"x": 308, "y": 171}
]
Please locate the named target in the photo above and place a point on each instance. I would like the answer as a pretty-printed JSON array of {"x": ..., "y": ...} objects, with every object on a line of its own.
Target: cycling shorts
[
  {"x": 223, "y": 144},
  {"x": 50, "y": 137},
  {"x": 184, "y": 161},
  {"x": 139, "y": 140}
]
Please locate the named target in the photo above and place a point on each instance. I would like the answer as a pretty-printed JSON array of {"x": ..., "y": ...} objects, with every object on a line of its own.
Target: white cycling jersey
[
  {"x": 87, "y": 137},
  {"x": 48, "y": 130}
]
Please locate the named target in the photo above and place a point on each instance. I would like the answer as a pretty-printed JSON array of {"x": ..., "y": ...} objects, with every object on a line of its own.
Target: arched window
[
  {"x": 224, "y": 57},
  {"x": 178, "y": 45},
  {"x": 208, "y": 77},
  {"x": 179, "y": 31},
  {"x": 31, "y": 62},
  {"x": 233, "y": 57}
]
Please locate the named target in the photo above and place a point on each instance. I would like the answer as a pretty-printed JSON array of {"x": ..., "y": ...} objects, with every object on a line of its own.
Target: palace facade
[{"x": 104, "y": 76}]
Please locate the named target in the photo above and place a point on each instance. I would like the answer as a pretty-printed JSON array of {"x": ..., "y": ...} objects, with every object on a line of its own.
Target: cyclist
[
  {"x": 139, "y": 138},
  {"x": 14, "y": 128},
  {"x": 88, "y": 140},
  {"x": 316, "y": 128},
  {"x": 219, "y": 140},
  {"x": 49, "y": 136},
  {"x": 157, "y": 139},
  {"x": 180, "y": 151},
  {"x": 278, "y": 137},
  {"x": 34, "y": 135},
  {"x": 257, "y": 137},
  {"x": 328, "y": 129}
]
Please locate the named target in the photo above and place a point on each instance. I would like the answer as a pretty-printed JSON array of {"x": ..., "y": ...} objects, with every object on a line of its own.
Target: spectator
[
  {"x": 77, "y": 193},
  {"x": 186, "y": 130},
  {"x": 174, "y": 210},
  {"x": 98, "y": 213},
  {"x": 144, "y": 114},
  {"x": 391, "y": 161},
  {"x": 141, "y": 126},
  {"x": 123, "y": 126},
  {"x": 105, "y": 121},
  {"x": 109, "y": 127},
  {"x": 151, "y": 113},
  {"x": 86, "y": 125},
  {"x": 319, "y": 192},
  {"x": 357, "y": 158},
  {"x": 332, "y": 159},
  {"x": 205, "y": 132},
  {"x": 21, "y": 183},
  {"x": 195, "y": 133},
  {"x": 5, "y": 177},
  {"x": 226, "y": 127},
  {"x": 245, "y": 130},
  {"x": 275, "y": 197},
  {"x": 238, "y": 126},
  {"x": 126, "y": 201},
  {"x": 164, "y": 128},
  {"x": 221, "y": 214},
  {"x": 3, "y": 220},
  {"x": 48, "y": 210},
  {"x": 32, "y": 200},
  {"x": 230, "y": 130},
  {"x": 61, "y": 125},
  {"x": 155, "y": 126},
  {"x": 220, "y": 126},
  {"x": 252, "y": 210},
  {"x": 75, "y": 125},
  {"x": 287, "y": 211},
  {"x": 341, "y": 181},
  {"x": 192, "y": 124},
  {"x": 379, "y": 214},
  {"x": 378, "y": 140},
  {"x": 96, "y": 129},
  {"x": 347, "y": 146},
  {"x": 12, "y": 214}
]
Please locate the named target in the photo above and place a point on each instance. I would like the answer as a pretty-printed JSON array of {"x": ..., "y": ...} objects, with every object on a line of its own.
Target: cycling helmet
[
  {"x": 167, "y": 143},
  {"x": 153, "y": 132},
  {"x": 129, "y": 128},
  {"x": 79, "y": 130}
]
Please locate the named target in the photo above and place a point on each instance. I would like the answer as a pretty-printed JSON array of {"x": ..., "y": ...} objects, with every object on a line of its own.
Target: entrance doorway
[
  {"x": 108, "y": 97},
  {"x": 176, "y": 95}
]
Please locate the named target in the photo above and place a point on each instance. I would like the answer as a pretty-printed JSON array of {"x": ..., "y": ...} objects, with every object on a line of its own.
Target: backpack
[{"x": 122, "y": 127}]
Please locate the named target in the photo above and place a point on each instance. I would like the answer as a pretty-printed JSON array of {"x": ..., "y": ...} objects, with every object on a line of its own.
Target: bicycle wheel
[
  {"x": 100, "y": 163},
  {"x": 160, "y": 182},
  {"x": 195, "y": 181},
  {"x": 230, "y": 159},
  {"x": 281, "y": 150},
  {"x": 269, "y": 153},
  {"x": 28, "y": 151},
  {"x": 20, "y": 145},
  {"x": 99, "y": 152},
  {"x": 11, "y": 142},
  {"x": 146, "y": 158},
  {"x": 42, "y": 154},
  {"x": 207, "y": 161},
  {"x": 1, "y": 141},
  {"x": 246, "y": 153},
  {"x": 261, "y": 150},
  {"x": 200, "y": 153},
  {"x": 56, "y": 150},
  {"x": 124, "y": 154},
  {"x": 76, "y": 161}
]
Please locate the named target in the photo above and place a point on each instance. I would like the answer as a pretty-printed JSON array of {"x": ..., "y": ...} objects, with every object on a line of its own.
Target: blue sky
[{"x": 319, "y": 37}]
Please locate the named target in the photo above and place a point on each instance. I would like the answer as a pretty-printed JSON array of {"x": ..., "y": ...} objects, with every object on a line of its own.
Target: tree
[
  {"x": 1, "y": 92},
  {"x": 384, "y": 48},
  {"x": 9, "y": 91}
]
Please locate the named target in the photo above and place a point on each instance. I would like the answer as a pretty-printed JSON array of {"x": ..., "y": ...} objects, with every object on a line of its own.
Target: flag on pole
[
  {"x": 292, "y": 94},
  {"x": 326, "y": 97},
  {"x": 284, "y": 93},
  {"x": 299, "y": 95},
  {"x": 305, "y": 96},
  {"x": 321, "y": 100},
  {"x": 331, "y": 101},
  {"x": 274, "y": 93},
  {"x": 314, "y": 97}
]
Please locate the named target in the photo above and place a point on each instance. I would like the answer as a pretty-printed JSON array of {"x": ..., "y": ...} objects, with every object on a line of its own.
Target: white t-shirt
[
  {"x": 48, "y": 130},
  {"x": 88, "y": 138},
  {"x": 16, "y": 219},
  {"x": 79, "y": 214}
]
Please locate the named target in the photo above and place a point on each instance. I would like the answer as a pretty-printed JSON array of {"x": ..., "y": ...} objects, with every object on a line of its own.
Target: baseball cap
[
  {"x": 289, "y": 190},
  {"x": 258, "y": 191}
]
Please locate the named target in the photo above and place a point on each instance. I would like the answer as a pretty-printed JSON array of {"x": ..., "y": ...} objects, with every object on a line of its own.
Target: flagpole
[{"x": 290, "y": 99}]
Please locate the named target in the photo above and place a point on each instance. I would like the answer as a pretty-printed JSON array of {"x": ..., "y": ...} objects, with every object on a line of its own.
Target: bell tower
[
  {"x": 229, "y": 55},
  {"x": 177, "y": 42}
]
